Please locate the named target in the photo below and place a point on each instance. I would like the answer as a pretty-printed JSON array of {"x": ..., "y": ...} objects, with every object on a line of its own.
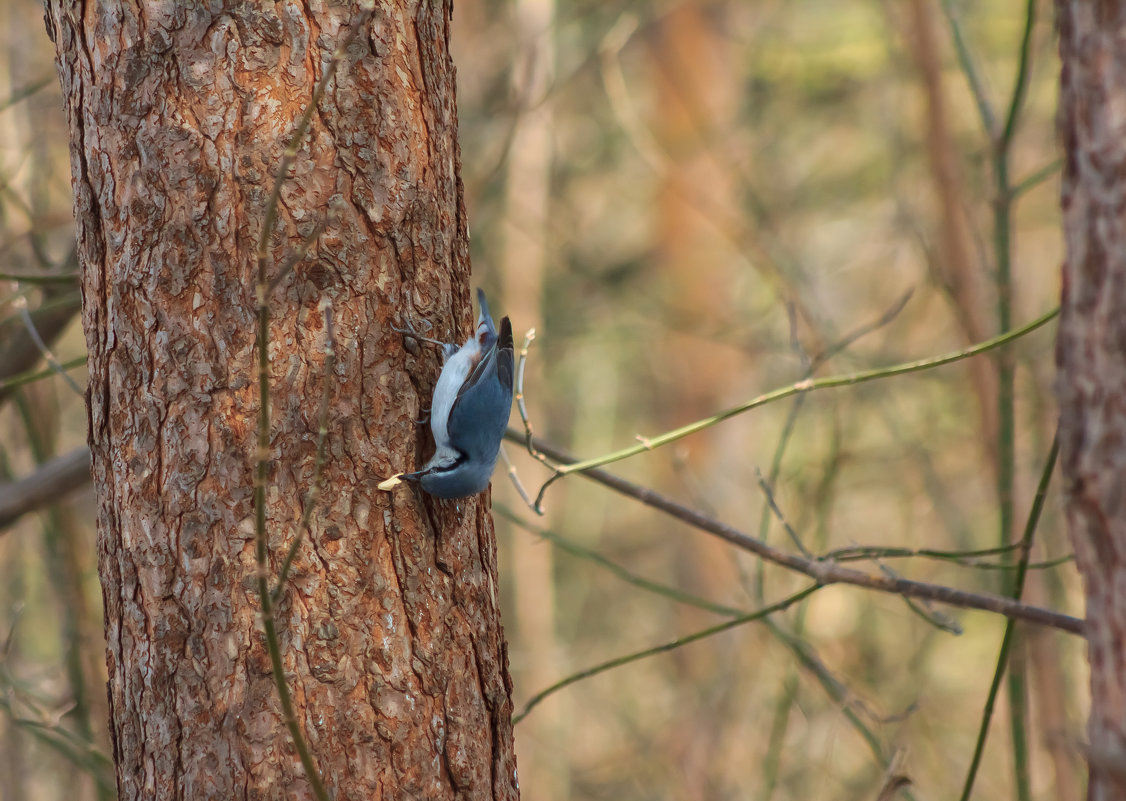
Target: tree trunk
[
  {"x": 1091, "y": 356},
  {"x": 179, "y": 115}
]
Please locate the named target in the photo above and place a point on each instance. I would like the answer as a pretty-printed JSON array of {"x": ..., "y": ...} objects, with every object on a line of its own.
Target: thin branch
[
  {"x": 1006, "y": 397},
  {"x": 853, "y": 706},
  {"x": 863, "y": 330},
  {"x": 650, "y": 443},
  {"x": 85, "y": 755},
  {"x": 624, "y": 574},
  {"x": 773, "y": 504},
  {"x": 850, "y": 704},
  {"x": 925, "y": 610},
  {"x": 44, "y": 350},
  {"x": 823, "y": 571},
  {"x": 20, "y": 354},
  {"x": 313, "y": 495},
  {"x": 36, "y": 375},
  {"x": 1020, "y": 83},
  {"x": 802, "y": 651},
  {"x": 970, "y": 70},
  {"x": 536, "y": 699},
  {"x": 529, "y": 435},
  {"x": 47, "y": 485},
  {"x": 1036, "y": 178},
  {"x": 1010, "y": 626},
  {"x": 25, "y": 92},
  {"x": 918, "y": 607},
  {"x": 67, "y": 279},
  {"x": 514, "y": 477},
  {"x": 521, "y": 405},
  {"x": 968, "y": 559}
]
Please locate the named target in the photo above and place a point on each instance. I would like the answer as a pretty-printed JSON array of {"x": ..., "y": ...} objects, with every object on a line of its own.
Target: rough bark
[
  {"x": 179, "y": 113},
  {"x": 1091, "y": 356}
]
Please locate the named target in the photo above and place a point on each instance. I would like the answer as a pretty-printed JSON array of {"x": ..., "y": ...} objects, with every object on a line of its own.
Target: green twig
[
  {"x": 651, "y": 443},
  {"x": 262, "y": 455},
  {"x": 833, "y": 687},
  {"x": 784, "y": 437},
  {"x": 25, "y": 92},
  {"x": 1010, "y": 625},
  {"x": 1036, "y": 178},
  {"x": 970, "y": 70},
  {"x": 31, "y": 278},
  {"x": 83, "y": 754},
  {"x": 20, "y": 379},
  {"x": 536, "y": 699},
  {"x": 1006, "y": 393},
  {"x": 313, "y": 495},
  {"x": 1020, "y": 84},
  {"x": 629, "y": 577}
]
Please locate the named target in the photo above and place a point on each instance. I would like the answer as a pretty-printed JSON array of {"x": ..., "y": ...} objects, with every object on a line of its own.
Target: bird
[{"x": 469, "y": 412}]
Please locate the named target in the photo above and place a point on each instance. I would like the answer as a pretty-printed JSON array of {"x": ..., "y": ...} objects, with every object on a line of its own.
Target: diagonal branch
[
  {"x": 45, "y": 486},
  {"x": 824, "y": 571}
]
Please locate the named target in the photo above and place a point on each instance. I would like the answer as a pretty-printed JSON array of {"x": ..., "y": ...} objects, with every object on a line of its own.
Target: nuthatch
[{"x": 469, "y": 413}]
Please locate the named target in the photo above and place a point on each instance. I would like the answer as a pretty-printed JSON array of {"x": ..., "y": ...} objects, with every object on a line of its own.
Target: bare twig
[
  {"x": 970, "y": 70},
  {"x": 47, "y": 485},
  {"x": 824, "y": 571},
  {"x": 863, "y": 330},
  {"x": 44, "y": 349},
  {"x": 514, "y": 477},
  {"x": 970, "y": 559},
  {"x": 521, "y": 405},
  {"x": 931, "y": 616},
  {"x": 529, "y": 436},
  {"x": 773, "y": 504}
]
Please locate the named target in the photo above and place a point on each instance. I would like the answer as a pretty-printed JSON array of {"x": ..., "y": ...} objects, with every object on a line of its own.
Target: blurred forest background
[{"x": 693, "y": 203}]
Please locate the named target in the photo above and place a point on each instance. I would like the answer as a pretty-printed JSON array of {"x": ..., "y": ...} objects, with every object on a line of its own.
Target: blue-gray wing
[{"x": 480, "y": 412}]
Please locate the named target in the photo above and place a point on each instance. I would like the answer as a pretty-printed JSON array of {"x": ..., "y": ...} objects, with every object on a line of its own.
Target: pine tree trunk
[
  {"x": 1091, "y": 355},
  {"x": 179, "y": 115}
]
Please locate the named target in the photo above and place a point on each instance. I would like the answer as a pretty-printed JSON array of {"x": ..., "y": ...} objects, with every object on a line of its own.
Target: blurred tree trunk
[
  {"x": 179, "y": 114},
  {"x": 693, "y": 67},
  {"x": 1091, "y": 356},
  {"x": 524, "y": 261}
]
